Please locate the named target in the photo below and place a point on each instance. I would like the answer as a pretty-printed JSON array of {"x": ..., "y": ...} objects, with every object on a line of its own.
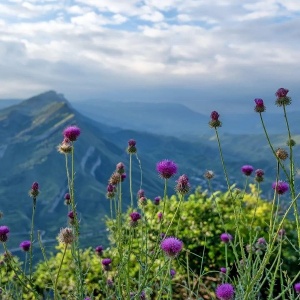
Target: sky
[{"x": 210, "y": 55}]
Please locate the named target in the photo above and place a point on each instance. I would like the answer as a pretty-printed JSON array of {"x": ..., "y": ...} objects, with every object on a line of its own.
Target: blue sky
[{"x": 209, "y": 55}]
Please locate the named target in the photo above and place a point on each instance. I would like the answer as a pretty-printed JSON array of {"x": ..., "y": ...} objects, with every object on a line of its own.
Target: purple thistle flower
[
  {"x": 281, "y": 92},
  {"x": 123, "y": 177},
  {"x": 34, "y": 190},
  {"x": 157, "y": 200},
  {"x": 109, "y": 283},
  {"x": 131, "y": 149},
  {"x": 280, "y": 187},
  {"x": 25, "y": 245},
  {"x": 226, "y": 237},
  {"x": 4, "y": 230},
  {"x": 159, "y": 216},
  {"x": 141, "y": 193},
  {"x": 297, "y": 287},
  {"x": 120, "y": 168},
  {"x": 171, "y": 246},
  {"x": 71, "y": 215},
  {"x": 225, "y": 291},
  {"x": 223, "y": 270},
  {"x": 35, "y": 186},
  {"x": 182, "y": 186},
  {"x": 247, "y": 170},
  {"x": 214, "y": 122},
  {"x": 67, "y": 199},
  {"x": 166, "y": 168},
  {"x": 71, "y": 133},
  {"x": 259, "y": 173},
  {"x": 135, "y": 216},
  {"x": 281, "y": 233},
  {"x": 106, "y": 263},
  {"x": 259, "y": 105},
  {"x": 99, "y": 250},
  {"x": 172, "y": 273}
]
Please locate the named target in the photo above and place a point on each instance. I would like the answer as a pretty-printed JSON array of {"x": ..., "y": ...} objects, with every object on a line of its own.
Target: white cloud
[{"x": 134, "y": 43}]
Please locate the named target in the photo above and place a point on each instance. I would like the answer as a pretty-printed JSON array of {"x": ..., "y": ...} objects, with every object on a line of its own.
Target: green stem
[
  {"x": 57, "y": 276},
  {"x": 31, "y": 237}
]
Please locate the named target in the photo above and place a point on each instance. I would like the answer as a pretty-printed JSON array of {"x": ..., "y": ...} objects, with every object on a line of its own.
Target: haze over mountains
[{"x": 31, "y": 130}]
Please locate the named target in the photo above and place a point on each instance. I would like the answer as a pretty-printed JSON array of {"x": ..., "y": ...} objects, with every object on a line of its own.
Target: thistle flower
[
  {"x": 281, "y": 154},
  {"x": 172, "y": 273},
  {"x": 247, "y": 170},
  {"x": 261, "y": 243},
  {"x": 131, "y": 149},
  {"x": 226, "y": 237},
  {"x": 71, "y": 133},
  {"x": 259, "y": 175},
  {"x": 282, "y": 98},
  {"x": 223, "y": 270},
  {"x": 159, "y": 216},
  {"x": 123, "y": 177},
  {"x": 120, "y": 168},
  {"x": 214, "y": 122},
  {"x": 297, "y": 287},
  {"x": 157, "y": 200},
  {"x": 106, "y": 264},
  {"x": 67, "y": 199},
  {"x": 109, "y": 283},
  {"x": 166, "y": 168},
  {"x": 135, "y": 217},
  {"x": 209, "y": 175},
  {"x": 115, "y": 178},
  {"x": 259, "y": 105},
  {"x": 225, "y": 291},
  {"x": 34, "y": 192},
  {"x": 25, "y": 245},
  {"x": 291, "y": 143},
  {"x": 281, "y": 233},
  {"x": 111, "y": 189},
  {"x": 141, "y": 193},
  {"x": 280, "y": 187},
  {"x": 171, "y": 246},
  {"x": 142, "y": 202},
  {"x": 99, "y": 250},
  {"x": 183, "y": 185},
  {"x": 65, "y": 146},
  {"x": 66, "y": 236},
  {"x": 4, "y": 230}
]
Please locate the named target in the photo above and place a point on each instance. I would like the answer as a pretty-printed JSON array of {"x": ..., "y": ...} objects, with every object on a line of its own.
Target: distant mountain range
[{"x": 31, "y": 130}]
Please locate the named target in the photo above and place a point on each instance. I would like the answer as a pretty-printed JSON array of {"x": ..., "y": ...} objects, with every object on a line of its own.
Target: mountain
[{"x": 178, "y": 120}]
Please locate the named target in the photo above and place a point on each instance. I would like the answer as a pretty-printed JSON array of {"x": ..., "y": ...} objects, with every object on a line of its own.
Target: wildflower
[
  {"x": 141, "y": 193},
  {"x": 166, "y": 168},
  {"x": 67, "y": 199},
  {"x": 223, "y": 270},
  {"x": 280, "y": 187},
  {"x": 297, "y": 287},
  {"x": 65, "y": 146},
  {"x": 109, "y": 283},
  {"x": 143, "y": 295},
  {"x": 247, "y": 170},
  {"x": 131, "y": 149},
  {"x": 157, "y": 200},
  {"x": 225, "y": 291},
  {"x": 281, "y": 233},
  {"x": 4, "y": 230},
  {"x": 115, "y": 178},
  {"x": 291, "y": 143},
  {"x": 34, "y": 190},
  {"x": 135, "y": 217},
  {"x": 259, "y": 175},
  {"x": 123, "y": 177},
  {"x": 172, "y": 273},
  {"x": 159, "y": 216},
  {"x": 226, "y": 237},
  {"x": 171, "y": 246},
  {"x": 142, "y": 202},
  {"x": 99, "y": 250},
  {"x": 66, "y": 236},
  {"x": 120, "y": 168},
  {"x": 282, "y": 98},
  {"x": 71, "y": 216},
  {"x": 209, "y": 174},
  {"x": 214, "y": 122},
  {"x": 281, "y": 154},
  {"x": 261, "y": 243},
  {"x": 259, "y": 105},
  {"x": 182, "y": 186},
  {"x": 106, "y": 264},
  {"x": 71, "y": 133},
  {"x": 110, "y": 191},
  {"x": 25, "y": 245}
]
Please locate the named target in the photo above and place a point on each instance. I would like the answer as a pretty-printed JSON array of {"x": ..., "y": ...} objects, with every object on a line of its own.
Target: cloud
[{"x": 85, "y": 48}]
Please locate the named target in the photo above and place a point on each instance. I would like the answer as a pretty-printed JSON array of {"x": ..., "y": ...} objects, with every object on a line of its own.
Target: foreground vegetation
[{"x": 193, "y": 244}]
